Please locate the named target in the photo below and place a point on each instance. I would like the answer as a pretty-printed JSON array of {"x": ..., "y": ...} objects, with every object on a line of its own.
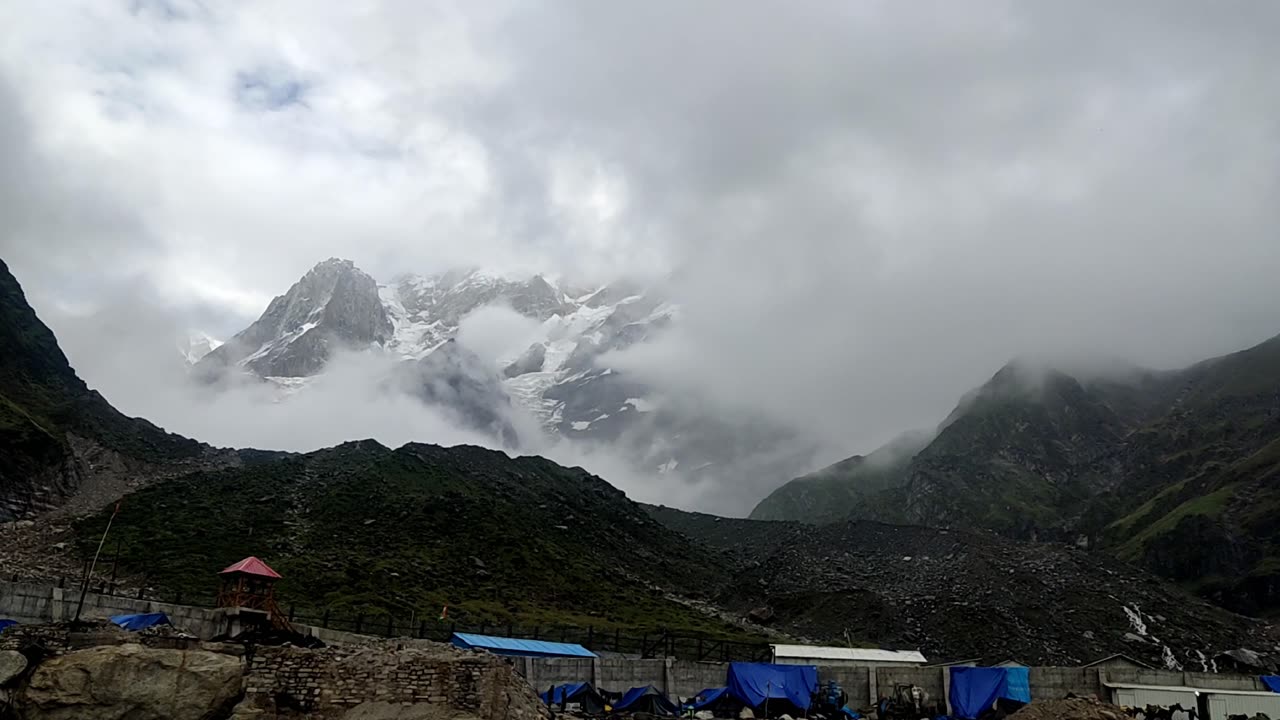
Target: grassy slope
[{"x": 363, "y": 529}]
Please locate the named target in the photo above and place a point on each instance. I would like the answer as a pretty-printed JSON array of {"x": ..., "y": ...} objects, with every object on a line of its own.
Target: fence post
[
  {"x": 617, "y": 640},
  {"x": 535, "y": 632},
  {"x": 359, "y": 622},
  {"x": 391, "y": 632},
  {"x": 590, "y": 636},
  {"x": 510, "y": 629},
  {"x": 422, "y": 629},
  {"x": 324, "y": 619}
]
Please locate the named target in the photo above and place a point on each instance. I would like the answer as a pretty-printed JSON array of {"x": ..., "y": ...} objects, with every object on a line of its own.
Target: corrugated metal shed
[
  {"x": 519, "y": 647},
  {"x": 1143, "y": 695},
  {"x": 1222, "y": 703},
  {"x": 816, "y": 654}
]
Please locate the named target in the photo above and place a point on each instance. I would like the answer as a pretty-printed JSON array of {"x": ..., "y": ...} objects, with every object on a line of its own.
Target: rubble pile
[{"x": 1070, "y": 709}]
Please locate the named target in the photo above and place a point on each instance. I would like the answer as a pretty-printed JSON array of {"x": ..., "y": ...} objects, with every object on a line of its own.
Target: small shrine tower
[{"x": 250, "y": 585}]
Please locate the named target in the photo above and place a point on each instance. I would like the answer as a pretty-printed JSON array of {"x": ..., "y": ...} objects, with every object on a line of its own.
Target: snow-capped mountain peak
[
  {"x": 196, "y": 345},
  {"x": 559, "y": 378},
  {"x": 335, "y": 305}
]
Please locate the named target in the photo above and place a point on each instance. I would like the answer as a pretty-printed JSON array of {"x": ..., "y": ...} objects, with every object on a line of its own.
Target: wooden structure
[{"x": 249, "y": 585}]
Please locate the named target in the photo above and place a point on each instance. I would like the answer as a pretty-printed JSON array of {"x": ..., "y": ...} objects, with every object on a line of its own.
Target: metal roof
[
  {"x": 818, "y": 652},
  {"x": 1184, "y": 688},
  {"x": 252, "y": 566},
  {"x": 517, "y": 646},
  {"x": 1121, "y": 656}
]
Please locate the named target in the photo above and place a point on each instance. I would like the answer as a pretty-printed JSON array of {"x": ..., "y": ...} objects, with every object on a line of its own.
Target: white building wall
[{"x": 1242, "y": 704}]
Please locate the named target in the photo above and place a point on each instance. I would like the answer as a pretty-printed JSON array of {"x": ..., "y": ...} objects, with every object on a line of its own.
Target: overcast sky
[{"x": 867, "y": 207}]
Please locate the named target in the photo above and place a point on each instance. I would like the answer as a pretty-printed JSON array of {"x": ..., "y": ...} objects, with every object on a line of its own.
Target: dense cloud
[{"x": 863, "y": 210}]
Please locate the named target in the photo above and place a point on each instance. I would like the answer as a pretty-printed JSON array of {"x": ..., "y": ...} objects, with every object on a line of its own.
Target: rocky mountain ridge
[
  {"x": 1171, "y": 469},
  {"x": 59, "y": 438}
]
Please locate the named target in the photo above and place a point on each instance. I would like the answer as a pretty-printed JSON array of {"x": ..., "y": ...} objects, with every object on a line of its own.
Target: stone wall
[{"x": 337, "y": 678}]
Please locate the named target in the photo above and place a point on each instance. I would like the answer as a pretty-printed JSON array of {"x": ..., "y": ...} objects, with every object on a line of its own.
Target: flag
[{"x": 444, "y": 612}]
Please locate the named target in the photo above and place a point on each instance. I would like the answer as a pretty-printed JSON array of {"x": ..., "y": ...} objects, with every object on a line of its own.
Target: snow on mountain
[
  {"x": 558, "y": 379},
  {"x": 196, "y": 345}
]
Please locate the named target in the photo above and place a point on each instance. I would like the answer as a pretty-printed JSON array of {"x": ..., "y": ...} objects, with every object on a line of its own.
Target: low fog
[{"x": 862, "y": 211}]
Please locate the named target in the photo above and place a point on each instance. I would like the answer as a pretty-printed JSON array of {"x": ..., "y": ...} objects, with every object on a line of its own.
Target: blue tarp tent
[
  {"x": 582, "y": 693},
  {"x": 753, "y": 683},
  {"x": 6, "y": 624},
  {"x": 517, "y": 647},
  {"x": 141, "y": 621},
  {"x": 706, "y": 698},
  {"x": 1271, "y": 681},
  {"x": 975, "y": 689},
  {"x": 647, "y": 699},
  {"x": 561, "y": 692}
]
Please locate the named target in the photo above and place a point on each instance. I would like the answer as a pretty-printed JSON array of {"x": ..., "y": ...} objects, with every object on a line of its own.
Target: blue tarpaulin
[
  {"x": 562, "y": 693},
  {"x": 1271, "y": 681},
  {"x": 645, "y": 699},
  {"x": 581, "y": 693},
  {"x": 707, "y": 697},
  {"x": 1017, "y": 684},
  {"x": 5, "y": 624},
  {"x": 141, "y": 621},
  {"x": 753, "y": 683},
  {"x": 974, "y": 690}
]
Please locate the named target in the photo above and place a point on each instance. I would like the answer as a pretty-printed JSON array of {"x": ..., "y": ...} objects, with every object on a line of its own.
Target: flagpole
[{"x": 84, "y": 586}]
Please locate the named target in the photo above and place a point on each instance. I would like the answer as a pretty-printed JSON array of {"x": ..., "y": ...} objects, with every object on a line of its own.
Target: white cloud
[{"x": 865, "y": 209}]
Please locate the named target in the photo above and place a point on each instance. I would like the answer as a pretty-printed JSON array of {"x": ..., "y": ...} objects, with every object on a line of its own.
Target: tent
[
  {"x": 718, "y": 701},
  {"x": 754, "y": 683},
  {"x": 141, "y": 621},
  {"x": 1272, "y": 682},
  {"x": 6, "y": 624},
  {"x": 974, "y": 690},
  {"x": 646, "y": 699},
  {"x": 581, "y": 694}
]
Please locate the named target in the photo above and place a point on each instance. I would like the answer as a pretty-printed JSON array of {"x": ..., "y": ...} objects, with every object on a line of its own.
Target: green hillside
[{"x": 362, "y": 529}]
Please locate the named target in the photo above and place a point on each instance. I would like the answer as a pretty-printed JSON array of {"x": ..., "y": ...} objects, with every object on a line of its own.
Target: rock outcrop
[{"x": 131, "y": 681}]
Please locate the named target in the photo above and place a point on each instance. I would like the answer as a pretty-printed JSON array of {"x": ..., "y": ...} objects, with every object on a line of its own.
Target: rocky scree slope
[
  {"x": 956, "y": 594},
  {"x": 1172, "y": 470},
  {"x": 57, "y": 436},
  {"x": 561, "y": 380}
]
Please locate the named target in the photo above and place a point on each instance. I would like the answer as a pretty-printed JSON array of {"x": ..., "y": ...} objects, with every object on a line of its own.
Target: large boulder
[
  {"x": 11, "y": 665},
  {"x": 132, "y": 682}
]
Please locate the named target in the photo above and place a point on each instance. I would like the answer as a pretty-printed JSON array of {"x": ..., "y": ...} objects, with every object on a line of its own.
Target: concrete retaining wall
[{"x": 29, "y": 603}]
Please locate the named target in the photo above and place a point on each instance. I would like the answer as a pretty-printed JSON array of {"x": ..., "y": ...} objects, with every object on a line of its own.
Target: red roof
[{"x": 252, "y": 566}]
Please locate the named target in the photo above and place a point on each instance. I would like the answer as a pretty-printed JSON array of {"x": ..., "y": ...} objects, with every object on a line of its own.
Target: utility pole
[{"x": 84, "y": 586}]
